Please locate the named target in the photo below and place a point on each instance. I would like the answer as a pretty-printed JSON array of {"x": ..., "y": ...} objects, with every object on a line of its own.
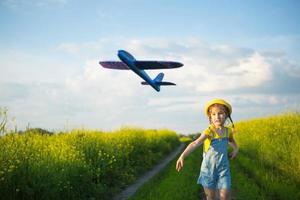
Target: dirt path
[{"x": 129, "y": 191}]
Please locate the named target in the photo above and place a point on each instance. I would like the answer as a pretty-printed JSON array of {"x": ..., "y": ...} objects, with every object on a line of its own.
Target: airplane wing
[
  {"x": 157, "y": 64},
  {"x": 114, "y": 65},
  {"x": 141, "y": 65},
  {"x": 159, "y": 83}
]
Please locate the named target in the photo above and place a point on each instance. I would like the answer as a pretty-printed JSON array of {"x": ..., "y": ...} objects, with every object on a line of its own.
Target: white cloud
[
  {"x": 207, "y": 68},
  {"x": 102, "y": 83},
  {"x": 258, "y": 105},
  {"x": 210, "y": 69},
  {"x": 48, "y": 92},
  {"x": 24, "y": 67},
  {"x": 249, "y": 72}
]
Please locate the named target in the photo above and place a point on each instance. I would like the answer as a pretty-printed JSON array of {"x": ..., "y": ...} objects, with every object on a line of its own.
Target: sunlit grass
[
  {"x": 81, "y": 164},
  {"x": 267, "y": 166},
  {"x": 170, "y": 184},
  {"x": 269, "y": 154}
]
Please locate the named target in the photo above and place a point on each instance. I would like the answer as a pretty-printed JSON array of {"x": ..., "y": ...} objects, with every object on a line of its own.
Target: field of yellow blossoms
[
  {"x": 80, "y": 164},
  {"x": 270, "y": 154}
]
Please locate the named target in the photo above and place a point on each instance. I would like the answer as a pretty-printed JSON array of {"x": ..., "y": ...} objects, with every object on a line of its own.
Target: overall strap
[
  {"x": 227, "y": 136},
  {"x": 212, "y": 132}
]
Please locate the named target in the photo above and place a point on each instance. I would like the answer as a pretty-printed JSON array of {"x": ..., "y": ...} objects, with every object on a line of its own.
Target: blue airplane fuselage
[{"x": 129, "y": 60}]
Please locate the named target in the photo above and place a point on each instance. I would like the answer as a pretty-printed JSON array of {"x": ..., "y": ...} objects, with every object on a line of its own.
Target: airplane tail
[
  {"x": 158, "y": 81},
  {"x": 159, "y": 78}
]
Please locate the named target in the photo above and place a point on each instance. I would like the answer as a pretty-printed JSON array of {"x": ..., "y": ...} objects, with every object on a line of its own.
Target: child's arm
[
  {"x": 233, "y": 144},
  {"x": 190, "y": 148}
]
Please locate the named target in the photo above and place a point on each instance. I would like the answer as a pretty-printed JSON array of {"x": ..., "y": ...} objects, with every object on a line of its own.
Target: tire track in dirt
[{"x": 129, "y": 191}]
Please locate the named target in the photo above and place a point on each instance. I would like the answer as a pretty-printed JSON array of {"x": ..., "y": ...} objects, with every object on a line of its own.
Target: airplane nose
[
  {"x": 178, "y": 64},
  {"x": 181, "y": 64}
]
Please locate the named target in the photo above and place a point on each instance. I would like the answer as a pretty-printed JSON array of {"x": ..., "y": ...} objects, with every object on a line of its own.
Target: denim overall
[{"x": 215, "y": 172}]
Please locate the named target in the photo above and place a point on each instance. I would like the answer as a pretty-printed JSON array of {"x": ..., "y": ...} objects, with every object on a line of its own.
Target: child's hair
[{"x": 231, "y": 121}]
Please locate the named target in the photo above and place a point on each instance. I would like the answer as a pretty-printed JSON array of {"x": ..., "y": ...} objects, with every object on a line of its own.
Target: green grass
[
  {"x": 269, "y": 154},
  {"x": 81, "y": 164},
  {"x": 244, "y": 187},
  {"x": 87, "y": 165},
  {"x": 274, "y": 141},
  {"x": 267, "y": 166},
  {"x": 272, "y": 184},
  {"x": 170, "y": 184}
]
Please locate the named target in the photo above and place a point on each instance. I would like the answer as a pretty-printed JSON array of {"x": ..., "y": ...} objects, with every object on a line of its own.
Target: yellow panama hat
[{"x": 217, "y": 101}]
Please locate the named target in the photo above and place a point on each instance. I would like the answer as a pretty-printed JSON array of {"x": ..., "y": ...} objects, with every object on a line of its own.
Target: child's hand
[
  {"x": 179, "y": 163},
  {"x": 233, "y": 154}
]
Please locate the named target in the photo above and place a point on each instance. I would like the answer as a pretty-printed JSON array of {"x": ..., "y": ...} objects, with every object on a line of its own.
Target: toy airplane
[{"x": 129, "y": 62}]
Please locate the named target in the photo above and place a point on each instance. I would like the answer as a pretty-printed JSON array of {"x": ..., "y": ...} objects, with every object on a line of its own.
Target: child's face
[{"x": 218, "y": 115}]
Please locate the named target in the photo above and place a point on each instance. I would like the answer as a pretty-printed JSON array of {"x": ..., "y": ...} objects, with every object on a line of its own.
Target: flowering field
[
  {"x": 79, "y": 164},
  {"x": 269, "y": 155},
  {"x": 266, "y": 168}
]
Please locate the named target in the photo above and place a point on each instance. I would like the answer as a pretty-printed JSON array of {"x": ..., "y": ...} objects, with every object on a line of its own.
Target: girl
[{"x": 215, "y": 172}]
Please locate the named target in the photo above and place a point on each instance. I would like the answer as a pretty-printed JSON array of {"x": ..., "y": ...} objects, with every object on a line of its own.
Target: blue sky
[{"x": 244, "y": 51}]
